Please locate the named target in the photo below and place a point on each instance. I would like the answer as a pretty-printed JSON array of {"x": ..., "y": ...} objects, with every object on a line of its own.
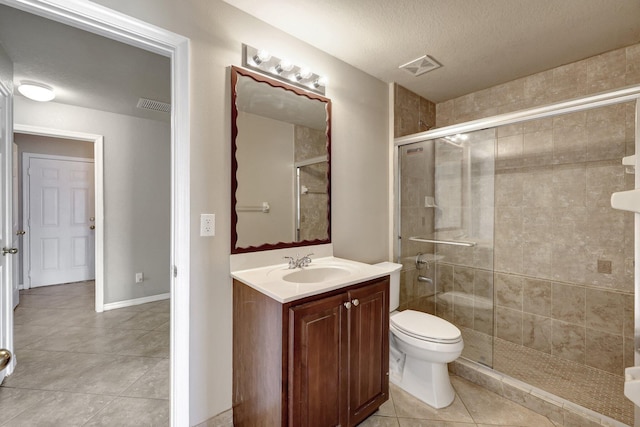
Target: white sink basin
[{"x": 316, "y": 275}]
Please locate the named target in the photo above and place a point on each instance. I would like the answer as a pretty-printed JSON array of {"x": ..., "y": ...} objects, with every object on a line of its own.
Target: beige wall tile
[
  {"x": 509, "y": 291},
  {"x": 444, "y": 277},
  {"x": 538, "y": 148},
  {"x": 629, "y": 320},
  {"x": 536, "y": 298},
  {"x": 605, "y": 311},
  {"x": 629, "y": 353},
  {"x": 568, "y": 303},
  {"x": 463, "y": 311},
  {"x": 538, "y": 188},
  {"x": 509, "y": 188},
  {"x": 536, "y": 332},
  {"x": 483, "y": 317},
  {"x": 463, "y": 279},
  {"x": 569, "y": 144},
  {"x": 509, "y": 324},
  {"x": 568, "y": 341},
  {"x": 604, "y": 351},
  {"x": 483, "y": 284},
  {"x": 632, "y": 54},
  {"x": 606, "y": 71}
]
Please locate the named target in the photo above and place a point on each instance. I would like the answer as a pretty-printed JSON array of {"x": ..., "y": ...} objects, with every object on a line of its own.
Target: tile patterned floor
[
  {"x": 473, "y": 406},
  {"x": 77, "y": 367},
  {"x": 591, "y": 388}
]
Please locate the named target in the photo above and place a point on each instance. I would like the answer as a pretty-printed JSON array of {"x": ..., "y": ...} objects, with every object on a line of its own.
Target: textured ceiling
[
  {"x": 480, "y": 43},
  {"x": 85, "y": 69}
]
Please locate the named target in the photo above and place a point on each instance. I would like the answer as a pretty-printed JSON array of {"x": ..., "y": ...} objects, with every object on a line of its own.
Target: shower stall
[{"x": 505, "y": 229}]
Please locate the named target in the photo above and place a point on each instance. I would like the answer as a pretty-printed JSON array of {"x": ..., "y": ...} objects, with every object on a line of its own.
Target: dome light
[{"x": 36, "y": 91}]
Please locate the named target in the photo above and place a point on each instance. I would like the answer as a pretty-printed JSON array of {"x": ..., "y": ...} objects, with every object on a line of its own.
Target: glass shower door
[{"x": 446, "y": 234}]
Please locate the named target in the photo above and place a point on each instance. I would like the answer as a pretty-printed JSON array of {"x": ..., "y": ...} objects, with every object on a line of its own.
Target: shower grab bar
[{"x": 442, "y": 242}]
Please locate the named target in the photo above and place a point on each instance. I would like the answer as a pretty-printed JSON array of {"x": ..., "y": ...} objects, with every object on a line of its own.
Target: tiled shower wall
[
  {"x": 555, "y": 234},
  {"x": 314, "y": 215},
  {"x": 563, "y": 256}
]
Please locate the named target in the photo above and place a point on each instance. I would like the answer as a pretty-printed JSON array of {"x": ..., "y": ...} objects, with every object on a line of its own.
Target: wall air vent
[
  {"x": 150, "y": 104},
  {"x": 422, "y": 65}
]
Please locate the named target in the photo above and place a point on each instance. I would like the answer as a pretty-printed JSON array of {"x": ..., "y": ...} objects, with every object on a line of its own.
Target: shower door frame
[{"x": 628, "y": 94}]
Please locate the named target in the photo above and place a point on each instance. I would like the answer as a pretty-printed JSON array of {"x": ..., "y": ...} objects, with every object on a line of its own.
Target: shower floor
[{"x": 583, "y": 385}]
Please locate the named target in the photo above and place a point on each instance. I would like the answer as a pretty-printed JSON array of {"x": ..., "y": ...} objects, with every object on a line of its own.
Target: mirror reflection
[{"x": 280, "y": 164}]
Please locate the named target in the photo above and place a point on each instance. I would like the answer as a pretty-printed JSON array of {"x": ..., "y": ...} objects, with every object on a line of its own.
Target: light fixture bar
[{"x": 282, "y": 69}]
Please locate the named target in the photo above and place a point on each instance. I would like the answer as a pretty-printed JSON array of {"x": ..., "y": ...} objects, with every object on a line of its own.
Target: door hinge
[{"x": 174, "y": 271}]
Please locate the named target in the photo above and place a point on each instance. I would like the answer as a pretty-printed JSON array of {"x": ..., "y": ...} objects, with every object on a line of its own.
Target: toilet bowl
[
  {"x": 421, "y": 345},
  {"x": 425, "y": 344}
]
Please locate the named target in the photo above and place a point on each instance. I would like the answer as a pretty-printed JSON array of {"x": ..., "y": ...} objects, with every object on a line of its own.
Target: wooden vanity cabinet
[{"x": 327, "y": 367}]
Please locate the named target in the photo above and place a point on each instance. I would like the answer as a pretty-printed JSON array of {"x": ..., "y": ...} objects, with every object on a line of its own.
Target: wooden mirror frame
[{"x": 235, "y": 73}]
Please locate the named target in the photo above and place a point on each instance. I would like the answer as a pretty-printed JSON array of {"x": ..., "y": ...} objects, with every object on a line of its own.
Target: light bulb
[
  {"x": 283, "y": 66},
  {"x": 261, "y": 56},
  {"x": 320, "y": 81},
  {"x": 303, "y": 74}
]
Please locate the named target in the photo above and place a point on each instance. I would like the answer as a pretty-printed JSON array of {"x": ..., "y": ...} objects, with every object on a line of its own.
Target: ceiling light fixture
[
  {"x": 282, "y": 69},
  {"x": 36, "y": 91}
]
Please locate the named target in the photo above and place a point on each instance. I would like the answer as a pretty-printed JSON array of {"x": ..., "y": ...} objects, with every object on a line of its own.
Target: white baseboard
[{"x": 137, "y": 301}]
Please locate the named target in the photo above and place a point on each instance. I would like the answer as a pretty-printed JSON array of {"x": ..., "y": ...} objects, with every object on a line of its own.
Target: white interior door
[
  {"x": 61, "y": 221},
  {"x": 6, "y": 266}
]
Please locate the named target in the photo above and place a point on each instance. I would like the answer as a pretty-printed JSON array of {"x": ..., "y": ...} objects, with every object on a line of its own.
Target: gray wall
[
  {"x": 137, "y": 195},
  {"x": 360, "y": 131}
]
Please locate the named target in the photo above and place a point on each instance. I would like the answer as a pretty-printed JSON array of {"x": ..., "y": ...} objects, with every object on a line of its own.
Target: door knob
[
  {"x": 348, "y": 305},
  {"x": 21, "y": 232},
  {"x": 9, "y": 251},
  {"x": 92, "y": 227},
  {"x": 5, "y": 358},
  {"x": 355, "y": 302}
]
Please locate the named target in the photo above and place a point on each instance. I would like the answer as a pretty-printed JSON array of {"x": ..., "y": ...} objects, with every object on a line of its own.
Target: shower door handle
[{"x": 5, "y": 358}]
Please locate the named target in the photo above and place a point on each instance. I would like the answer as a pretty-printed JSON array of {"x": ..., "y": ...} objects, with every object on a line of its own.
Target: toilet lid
[{"x": 425, "y": 326}]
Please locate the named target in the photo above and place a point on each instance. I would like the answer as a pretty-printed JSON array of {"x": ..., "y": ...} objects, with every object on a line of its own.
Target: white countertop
[{"x": 269, "y": 280}]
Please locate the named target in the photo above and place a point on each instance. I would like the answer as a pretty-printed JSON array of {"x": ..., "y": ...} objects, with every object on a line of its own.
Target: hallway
[{"x": 77, "y": 367}]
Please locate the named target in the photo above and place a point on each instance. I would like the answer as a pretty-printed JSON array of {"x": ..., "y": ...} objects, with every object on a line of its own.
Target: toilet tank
[{"x": 394, "y": 284}]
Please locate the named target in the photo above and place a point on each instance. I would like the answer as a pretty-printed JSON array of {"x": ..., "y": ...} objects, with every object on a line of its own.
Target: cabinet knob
[
  {"x": 348, "y": 305},
  {"x": 355, "y": 302}
]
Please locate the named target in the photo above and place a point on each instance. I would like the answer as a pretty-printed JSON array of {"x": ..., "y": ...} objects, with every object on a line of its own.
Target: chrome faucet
[{"x": 298, "y": 262}]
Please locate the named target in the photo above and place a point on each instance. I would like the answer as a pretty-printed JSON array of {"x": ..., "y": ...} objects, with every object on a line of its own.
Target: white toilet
[{"x": 421, "y": 345}]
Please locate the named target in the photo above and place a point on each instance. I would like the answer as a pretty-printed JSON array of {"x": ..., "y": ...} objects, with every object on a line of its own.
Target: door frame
[
  {"x": 98, "y": 182},
  {"x": 115, "y": 25}
]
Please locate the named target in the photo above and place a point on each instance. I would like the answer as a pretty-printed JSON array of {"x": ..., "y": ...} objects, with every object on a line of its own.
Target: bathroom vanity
[{"x": 310, "y": 354}]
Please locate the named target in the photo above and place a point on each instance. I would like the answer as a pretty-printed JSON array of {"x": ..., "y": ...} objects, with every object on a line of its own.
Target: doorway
[
  {"x": 102, "y": 21},
  {"x": 96, "y": 151}
]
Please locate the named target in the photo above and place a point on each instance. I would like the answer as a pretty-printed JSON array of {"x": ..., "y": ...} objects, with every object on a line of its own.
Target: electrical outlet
[
  {"x": 139, "y": 277},
  {"x": 207, "y": 225}
]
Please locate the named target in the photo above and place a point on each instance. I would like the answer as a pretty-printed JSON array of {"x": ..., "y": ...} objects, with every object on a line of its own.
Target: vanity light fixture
[
  {"x": 282, "y": 69},
  {"x": 36, "y": 91}
]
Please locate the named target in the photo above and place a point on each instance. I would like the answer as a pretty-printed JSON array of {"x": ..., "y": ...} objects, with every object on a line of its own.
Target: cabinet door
[
  {"x": 368, "y": 349},
  {"x": 317, "y": 355}
]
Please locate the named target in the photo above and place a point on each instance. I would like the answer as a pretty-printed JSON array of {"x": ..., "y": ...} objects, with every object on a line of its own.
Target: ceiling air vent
[
  {"x": 150, "y": 104},
  {"x": 422, "y": 65}
]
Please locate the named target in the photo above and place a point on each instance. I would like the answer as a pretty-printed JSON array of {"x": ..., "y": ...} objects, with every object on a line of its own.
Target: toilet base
[{"x": 426, "y": 381}]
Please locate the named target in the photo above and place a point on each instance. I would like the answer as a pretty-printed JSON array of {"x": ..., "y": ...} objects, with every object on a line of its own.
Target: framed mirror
[{"x": 280, "y": 164}]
